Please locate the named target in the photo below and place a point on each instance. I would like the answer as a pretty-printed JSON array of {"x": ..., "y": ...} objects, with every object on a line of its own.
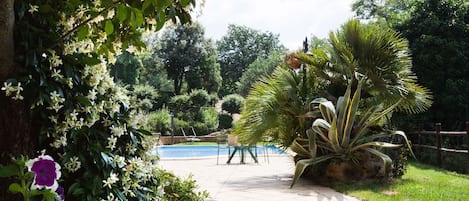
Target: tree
[
  {"x": 258, "y": 69},
  {"x": 207, "y": 74},
  {"x": 437, "y": 35},
  {"x": 439, "y": 40},
  {"x": 186, "y": 54},
  {"x": 240, "y": 47},
  {"x": 59, "y": 94},
  {"x": 384, "y": 12},
  {"x": 125, "y": 69},
  {"x": 279, "y": 106}
]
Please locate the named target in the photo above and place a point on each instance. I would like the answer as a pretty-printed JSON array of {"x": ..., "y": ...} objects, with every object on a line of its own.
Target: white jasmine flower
[
  {"x": 33, "y": 8},
  {"x": 111, "y": 142},
  {"x": 73, "y": 165},
  {"x": 110, "y": 180},
  {"x": 110, "y": 14},
  {"x": 8, "y": 88}
]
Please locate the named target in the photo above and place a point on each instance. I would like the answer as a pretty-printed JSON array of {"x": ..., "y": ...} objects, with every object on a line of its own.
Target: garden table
[{"x": 242, "y": 150}]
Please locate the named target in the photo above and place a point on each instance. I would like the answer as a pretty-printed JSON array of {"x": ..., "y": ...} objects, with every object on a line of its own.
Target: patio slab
[{"x": 251, "y": 182}]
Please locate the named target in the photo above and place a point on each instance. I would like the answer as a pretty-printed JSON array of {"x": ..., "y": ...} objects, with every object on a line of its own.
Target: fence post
[
  {"x": 467, "y": 137},
  {"x": 438, "y": 143}
]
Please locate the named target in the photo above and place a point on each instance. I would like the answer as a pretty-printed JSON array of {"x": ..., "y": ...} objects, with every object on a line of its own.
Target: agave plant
[{"x": 344, "y": 133}]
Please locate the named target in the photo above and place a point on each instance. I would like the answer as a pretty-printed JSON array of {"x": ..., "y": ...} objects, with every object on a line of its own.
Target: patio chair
[
  {"x": 242, "y": 149},
  {"x": 190, "y": 139},
  {"x": 222, "y": 143}
]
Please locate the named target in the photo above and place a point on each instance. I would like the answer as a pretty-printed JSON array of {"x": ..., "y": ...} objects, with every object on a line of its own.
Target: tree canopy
[
  {"x": 188, "y": 56},
  {"x": 437, "y": 32},
  {"x": 240, "y": 47}
]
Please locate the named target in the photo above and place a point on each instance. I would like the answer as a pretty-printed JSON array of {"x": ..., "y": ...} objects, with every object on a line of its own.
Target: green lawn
[
  {"x": 196, "y": 143},
  {"x": 421, "y": 182}
]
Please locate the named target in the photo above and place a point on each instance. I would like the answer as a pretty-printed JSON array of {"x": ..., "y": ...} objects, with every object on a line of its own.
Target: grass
[
  {"x": 197, "y": 144},
  {"x": 421, "y": 182}
]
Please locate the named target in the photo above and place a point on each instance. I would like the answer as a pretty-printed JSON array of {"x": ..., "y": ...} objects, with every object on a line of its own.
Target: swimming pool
[{"x": 172, "y": 151}]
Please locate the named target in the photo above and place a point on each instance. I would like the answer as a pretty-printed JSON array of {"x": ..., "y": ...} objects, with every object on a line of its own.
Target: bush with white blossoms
[{"x": 65, "y": 48}]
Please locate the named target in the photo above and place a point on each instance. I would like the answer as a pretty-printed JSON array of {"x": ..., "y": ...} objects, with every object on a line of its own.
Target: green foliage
[
  {"x": 180, "y": 103},
  {"x": 277, "y": 108},
  {"x": 210, "y": 119},
  {"x": 232, "y": 103},
  {"x": 193, "y": 111},
  {"x": 226, "y": 121},
  {"x": 422, "y": 182},
  {"x": 439, "y": 40},
  {"x": 145, "y": 97},
  {"x": 18, "y": 171},
  {"x": 378, "y": 53},
  {"x": 159, "y": 121},
  {"x": 212, "y": 99},
  {"x": 181, "y": 189},
  {"x": 188, "y": 56},
  {"x": 261, "y": 67},
  {"x": 64, "y": 50},
  {"x": 240, "y": 47},
  {"x": 153, "y": 73},
  {"x": 199, "y": 97},
  {"x": 125, "y": 69},
  {"x": 346, "y": 133}
]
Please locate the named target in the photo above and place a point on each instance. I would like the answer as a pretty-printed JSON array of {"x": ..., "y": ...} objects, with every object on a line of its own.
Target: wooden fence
[{"x": 439, "y": 133}]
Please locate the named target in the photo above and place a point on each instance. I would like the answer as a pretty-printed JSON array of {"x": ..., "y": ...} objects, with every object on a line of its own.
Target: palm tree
[
  {"x": 277, "y": 108},
  {"x": 380, "y": 54}
]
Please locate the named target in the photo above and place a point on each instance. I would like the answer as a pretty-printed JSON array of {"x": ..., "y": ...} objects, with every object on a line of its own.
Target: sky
[{"x": 293, "y": 20}]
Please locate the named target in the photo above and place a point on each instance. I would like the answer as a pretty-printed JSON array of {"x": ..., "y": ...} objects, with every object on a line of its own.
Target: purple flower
[
  {"x": 60, "y": 192},
  {"x": 46, "y": 172}
]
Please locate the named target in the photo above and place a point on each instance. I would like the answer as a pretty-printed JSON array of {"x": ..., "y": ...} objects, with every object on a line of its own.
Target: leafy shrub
[
  {"x": 225, "y": 121},
  {"x": 145, "y": 97},
  {"x": 349, "y": 135},
  {"x": 179, "y": 189},
  {"x": 159, "y": 121},
  {"x": 210, "y": 118},
  {"x": 178, "y": 124},
  {"x": 200, "y": 128},
  {"x": 212, "y": 99},
  {"x": 232, "y": 103},
  {"x": 199, "y": 97},
  {"x": 180, "y": 103},
  {"x": 82, "y": 116}
]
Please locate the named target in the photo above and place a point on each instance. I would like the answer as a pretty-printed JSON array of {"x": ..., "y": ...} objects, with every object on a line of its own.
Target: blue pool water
[{"x": 172, "y": 151}]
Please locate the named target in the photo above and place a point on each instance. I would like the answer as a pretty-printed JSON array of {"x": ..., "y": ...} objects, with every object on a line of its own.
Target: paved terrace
[{"x": 251, "y": 181}]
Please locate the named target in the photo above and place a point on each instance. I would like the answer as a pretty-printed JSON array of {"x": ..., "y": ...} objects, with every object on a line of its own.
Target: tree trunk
[{"x": 15, "y": 123}]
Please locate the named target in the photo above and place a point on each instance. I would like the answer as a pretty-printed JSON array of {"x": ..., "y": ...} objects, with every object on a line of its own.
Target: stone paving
[{"x": 251, "y": 182}]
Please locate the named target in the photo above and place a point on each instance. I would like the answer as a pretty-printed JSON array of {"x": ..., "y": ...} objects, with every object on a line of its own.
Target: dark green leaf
[
  {"x": 82, "y": 32},
  {"x": 75, "y": 189},
  {"x": 121, "y": 13},
  {"x": 146, "y": 4},
  {"x": 8, "y": 171},
  {"x": 138, "y": 17},
  {"x": 144, "y": 132},
  {"x": 185, "y": 2},
  {"x": 83, "y": 100},
  {"x": 160, "y": 4}
]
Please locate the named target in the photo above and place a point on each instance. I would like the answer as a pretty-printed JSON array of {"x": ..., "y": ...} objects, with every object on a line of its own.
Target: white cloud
[{"x": 293, "y": 20}]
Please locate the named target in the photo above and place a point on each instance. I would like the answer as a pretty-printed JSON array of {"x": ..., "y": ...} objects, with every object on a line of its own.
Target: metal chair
[
  {"x": 222, "y": 142},
  {"x": 190, "y": 139}
]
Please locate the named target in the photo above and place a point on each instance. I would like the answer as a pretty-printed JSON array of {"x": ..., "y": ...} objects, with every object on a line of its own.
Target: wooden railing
[{"x": 439, "y": 133}]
